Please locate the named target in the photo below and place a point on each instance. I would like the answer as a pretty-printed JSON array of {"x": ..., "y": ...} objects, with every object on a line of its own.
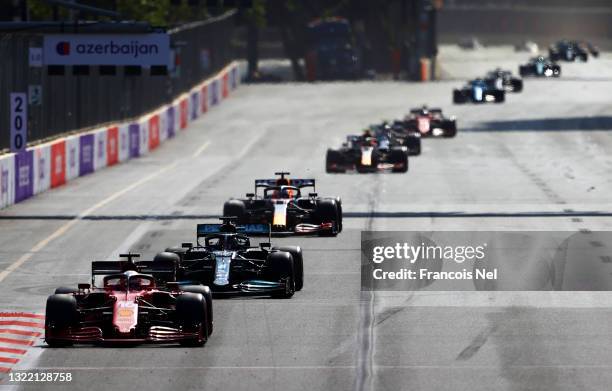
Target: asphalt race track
[{"x": 541, "y": 161}]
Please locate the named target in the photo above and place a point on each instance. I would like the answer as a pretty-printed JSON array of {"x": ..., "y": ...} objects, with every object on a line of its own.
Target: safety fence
[
  {"x": 73, "y": 101},
  {"x": 52, "y": 164}
]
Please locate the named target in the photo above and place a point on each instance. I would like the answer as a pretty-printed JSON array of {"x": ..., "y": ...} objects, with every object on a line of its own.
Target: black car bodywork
[{"x": 280, "y": 203}]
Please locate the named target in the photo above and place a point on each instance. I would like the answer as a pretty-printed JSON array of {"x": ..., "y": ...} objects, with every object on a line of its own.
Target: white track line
[{"x": 62, "y": 230}]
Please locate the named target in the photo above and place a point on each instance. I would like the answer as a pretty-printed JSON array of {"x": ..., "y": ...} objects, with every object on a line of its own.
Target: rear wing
[
  {"x": 299, "y": 183},
  {"x": 253, "y": 229},
  {"x": 160, "y": 270}
]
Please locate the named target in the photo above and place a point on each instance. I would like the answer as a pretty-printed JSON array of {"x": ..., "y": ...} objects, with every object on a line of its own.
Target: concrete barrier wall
[
  {"x": 511, "y": 25},
  {"x": 50, "y": 165}
]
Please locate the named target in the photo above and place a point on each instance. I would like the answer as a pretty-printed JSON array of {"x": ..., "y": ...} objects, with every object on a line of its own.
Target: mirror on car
[
  {"x": 313, "y": 195},
  {"x": 265, "y": 245},
  {"x": 250, "y": 195},
  {"x": 84, "y": 286},
  {"x": 186, "y": 245}
]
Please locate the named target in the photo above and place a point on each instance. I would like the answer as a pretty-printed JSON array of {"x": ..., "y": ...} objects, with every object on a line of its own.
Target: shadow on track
[{"x": 595, "y": 123}]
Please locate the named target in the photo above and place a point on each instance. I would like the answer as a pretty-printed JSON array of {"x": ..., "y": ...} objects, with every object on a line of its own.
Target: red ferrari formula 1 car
[
  {"x": 129, "y": 307},
  {"x": 431, "y": 122}
]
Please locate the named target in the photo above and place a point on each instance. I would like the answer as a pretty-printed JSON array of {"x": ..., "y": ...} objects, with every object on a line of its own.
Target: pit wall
[{"x": 50, "y": 165}]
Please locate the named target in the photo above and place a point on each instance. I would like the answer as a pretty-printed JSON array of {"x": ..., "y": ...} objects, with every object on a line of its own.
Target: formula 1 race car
[
  {"x": 503, "y": 80},
  {"x": 403, "y": 135},
  {"x": 129, "y": 307},
  {"x": 431, "y": 122},
  {"x": 567, "y": 51},
  {"x": 540, "y": 67},
  {"x": 478, "y": 91},
  {"x": 223, "y": 259},
  {"x": 368, "y": 153},
  {"x": 589, "y": 47},
  {"x": 280, "y": 202}
]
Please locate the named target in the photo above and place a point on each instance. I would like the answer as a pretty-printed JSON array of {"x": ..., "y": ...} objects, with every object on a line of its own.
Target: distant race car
[
  {"x": 431, "y": 122},
  {"x": 223, "y": 259},
  {"x": 400, "y": 135},
  {"x": 567, "y": 51},
  {"x": 478, "y": 91},
  {"x": 540, "y": 67},
  {"x": 589, "y": 47},
  {"x": 129, "y": 307},
  {"x": 369, "y": 152},
  {"x": 504, "y": 80},
  {"x": 281, "y": 203}
]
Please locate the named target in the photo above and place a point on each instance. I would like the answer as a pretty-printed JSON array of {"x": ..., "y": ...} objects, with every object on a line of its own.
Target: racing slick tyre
[
  {"x": 204, "y": 291},
  {"x": 334, "y": 162},
  {"x": 235, "y": 208},
  {"x": 280, "y": 266},
  {"x": 60, "y": 315},
  {"x": 517, "y": 85},
  {"x": 414, "y": 145},
  {"x": 450, "y": 129},
  {"x": 178, "y": 250},
  {"x": 339, "y": 206},
  {"x": 524, "y": 70},
  {"x": 399, "y": 159},
  {"x": 65, "y": 290},
  {"x": 298, "y": 264},
  {"x": 583, "y": 57},
  {"x": 165, "y": 266},
  {"x": 458, "y": 97},
  {"x": 191, "y": 314},
  {"x": 500, "y": 96},
  {"x": 327, "y": 211}
]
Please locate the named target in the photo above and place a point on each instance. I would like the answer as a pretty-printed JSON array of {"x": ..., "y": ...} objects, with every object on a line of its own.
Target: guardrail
[
  {"x": 52, "y": 164},
  {"x": 73, "y": 102}
]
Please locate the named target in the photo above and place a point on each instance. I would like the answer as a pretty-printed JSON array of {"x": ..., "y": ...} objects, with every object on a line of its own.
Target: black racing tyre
[
  {"x": 340, "y": 217},
  {"x": 334, "y": 162},
  {"x": 237, "y": 209},
  {"x": 450, "y": 129},
  {"x": 60, "y": 314},
  {"x": 65, "y": 290},
  {"x": 166, "y": 260},
  {"x": 399, "y": 156},
  {"x": 517, "y": 85},
  {"x": 524, "y": 70},
  {"x": 500, "y": 96},
  {"x": 204, "y": 291},
  {"x": 280, "y": 267},
  {"x": 298, "y": 264},
  {"x": 414, "y": 145},
  {"x": 458, "y": 97},
  {"x": 178, "y": 250},
  {"x": 327, "y": 211},
  {"x": 191, "y": 315}
]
